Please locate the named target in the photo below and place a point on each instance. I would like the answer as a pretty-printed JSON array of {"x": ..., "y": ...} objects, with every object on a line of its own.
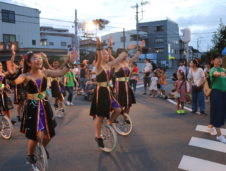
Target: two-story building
[
  {"x": 19, "y": 24},
  {"x": 55, "y": 38},
  {"x": 163, "y": 38}
]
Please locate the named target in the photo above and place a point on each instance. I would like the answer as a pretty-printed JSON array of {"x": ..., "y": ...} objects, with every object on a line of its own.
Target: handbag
[
  {"x": 198, "y": 88},
  {"x": 207, "y": 89}
]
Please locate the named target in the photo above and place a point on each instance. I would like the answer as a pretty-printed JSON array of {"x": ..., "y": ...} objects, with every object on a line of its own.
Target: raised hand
[
  {"x": 44, "y": 56},
  {"x": 98, "y": 41},
  {"x": 131, "y": 46},
  {"x": 110, "y": 42},
  {"x": 73, "y": 55},
  {"x": 142, "y": 44}
]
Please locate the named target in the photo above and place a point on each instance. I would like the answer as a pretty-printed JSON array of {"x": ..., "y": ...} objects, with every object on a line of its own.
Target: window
[
  {"x": 144, "y": 28},
  {"x": 8, "y": 16},
  {"x": 159, "y": 28},
  {"x": 8, "y": 38},
  {"x": 33, "y": 42},
  {"x": 63, "y": 44},
  {"x": 159, "y": 50},
  {"x": 51, "y": 43},
  {"x": 123, "y": 39},
  {"x": 159, "y": 40},
  {"x": 43, "y": 42}
]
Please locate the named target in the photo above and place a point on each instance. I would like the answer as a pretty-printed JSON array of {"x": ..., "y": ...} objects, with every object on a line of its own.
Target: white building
[
  {"x": 118, "y": 38},
  {"x": 55, "y": 38},
  {"x": 19, "y": 24}
]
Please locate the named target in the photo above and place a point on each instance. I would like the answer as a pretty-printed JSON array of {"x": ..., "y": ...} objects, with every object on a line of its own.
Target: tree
[
  {"x": 219, "y": 43},
  {"x": 219, "y": 39},
  {"x": 101, "y": 23}
]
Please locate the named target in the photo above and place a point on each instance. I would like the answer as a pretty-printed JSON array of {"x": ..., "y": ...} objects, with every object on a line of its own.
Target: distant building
[
  {"x": 19, "y": 24},
  {"x": 163, "y": 39},
  {"x": 121, "y": 41},
  {"x": 88, "y": 45},
  {"x": 55, "y": 38}
]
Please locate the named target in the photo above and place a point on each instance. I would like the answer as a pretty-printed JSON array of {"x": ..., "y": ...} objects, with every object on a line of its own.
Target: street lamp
[{"x": 90, "y": 26}]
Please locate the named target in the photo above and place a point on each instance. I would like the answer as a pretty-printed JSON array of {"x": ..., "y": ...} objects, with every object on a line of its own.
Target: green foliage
[{"x": 219, "y": 43}]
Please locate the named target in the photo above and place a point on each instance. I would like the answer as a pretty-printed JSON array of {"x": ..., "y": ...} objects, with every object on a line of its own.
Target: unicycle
[
  {"x": 123, "y": 124},
  {"x": 41, "y": 158},
  {"x": 5, "y": 127},
  {"x": 109, "y": 137}
]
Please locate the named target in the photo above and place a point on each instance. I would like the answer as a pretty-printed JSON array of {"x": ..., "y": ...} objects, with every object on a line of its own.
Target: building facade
[
  {"x": 19, "y": 24},
  {"x": 55, "y": 38},
  {"x": 121, "y": 40},
  {"x": 163, "y": 39}
]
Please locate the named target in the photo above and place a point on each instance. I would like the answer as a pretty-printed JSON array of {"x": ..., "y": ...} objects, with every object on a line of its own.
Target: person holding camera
[{"x": 196, "y": 76}]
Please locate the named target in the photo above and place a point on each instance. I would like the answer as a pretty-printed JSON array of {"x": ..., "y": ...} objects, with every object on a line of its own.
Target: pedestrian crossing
[{"x": 191, "y": 163}]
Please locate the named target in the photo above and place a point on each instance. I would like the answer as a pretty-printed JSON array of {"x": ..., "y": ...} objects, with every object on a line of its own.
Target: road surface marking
[
  {"x": 197, "y": 164},
  {"x": 203, "y": 128},
  {"x": 175, "y": 103},
  {"x": 208, "y": 144},
  {"x": 139, "y": 86}
]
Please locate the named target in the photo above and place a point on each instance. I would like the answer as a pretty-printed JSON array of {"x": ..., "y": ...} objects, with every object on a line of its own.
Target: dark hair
[
  {"x": 120, "y": 50},
  {"x": 182, "y": 74},
  {"x": 149, "y": 60},
  {"x": 216, "y": 56},
  {"x": 196, "y": 62},
  {"x": 27, "y": 59}
]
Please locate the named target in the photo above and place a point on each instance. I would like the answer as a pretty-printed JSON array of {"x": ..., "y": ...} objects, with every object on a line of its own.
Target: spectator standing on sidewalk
[
  {"x": 197, "y": 78},
  {"x": 218, "y": 98},
  {"x": 69, "y": 80},
  {"x": 147, "y": 74},
  {"x": 84, "y": 72},
  {"x": 134, "y": 76}
]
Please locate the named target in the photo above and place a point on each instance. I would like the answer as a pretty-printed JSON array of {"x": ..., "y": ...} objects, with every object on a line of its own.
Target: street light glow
[{"x": 90, "y": 26}]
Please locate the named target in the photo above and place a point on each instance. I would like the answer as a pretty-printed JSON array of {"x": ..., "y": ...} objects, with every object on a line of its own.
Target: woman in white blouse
[{"x": 196, "y": 76}]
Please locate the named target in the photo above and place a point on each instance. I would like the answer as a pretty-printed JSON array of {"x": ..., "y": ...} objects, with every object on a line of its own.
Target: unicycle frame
[
  {"x": 2, "y": 116},
  {"x": 42, "y": 155},
  {"x": 105, "y": 125}
]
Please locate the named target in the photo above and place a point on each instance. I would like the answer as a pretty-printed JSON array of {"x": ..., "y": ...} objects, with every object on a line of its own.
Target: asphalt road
[{"x": 158, "y": 141}]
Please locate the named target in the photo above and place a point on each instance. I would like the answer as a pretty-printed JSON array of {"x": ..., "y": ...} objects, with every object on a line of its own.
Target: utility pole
[
  {"x": 76, "y": 39},
  {"x": 124, "y": 38},
  {"x": 137, "y": 17}
]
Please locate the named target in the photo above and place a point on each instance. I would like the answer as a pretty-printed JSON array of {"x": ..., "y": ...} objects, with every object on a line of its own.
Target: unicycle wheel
[
  {"x": 109, "y": 138},
  {"x": 123, "y": 124}
]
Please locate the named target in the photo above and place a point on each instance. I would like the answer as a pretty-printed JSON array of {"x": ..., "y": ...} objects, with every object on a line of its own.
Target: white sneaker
[
  {"x": 68, "y": 103},
  {"x": 212, "y": 131},
  {"x": 72, "y": 104},
  {"x": 221, "y": 139}
]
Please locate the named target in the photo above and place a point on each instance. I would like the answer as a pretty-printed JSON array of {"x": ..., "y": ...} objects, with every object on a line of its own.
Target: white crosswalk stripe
[
  {"x": 208, "y": 144},
  {"x": 203, "y": 128},
  {"x": 197, "y": 164}
]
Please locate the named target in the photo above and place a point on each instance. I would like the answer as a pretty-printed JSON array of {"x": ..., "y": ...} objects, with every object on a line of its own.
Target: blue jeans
[
  {"x": 198, "y": 99},
  {"x": 82, "y": 83}
]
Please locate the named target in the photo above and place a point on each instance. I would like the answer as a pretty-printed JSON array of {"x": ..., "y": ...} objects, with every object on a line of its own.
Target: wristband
[
  {"x": 99, "y": 47},
  {"x": 68, "y": 66}
]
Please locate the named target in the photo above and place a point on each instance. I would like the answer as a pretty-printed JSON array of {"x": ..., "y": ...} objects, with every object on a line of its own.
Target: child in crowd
[
  {"x": 163, "y": 83},
  {"x": 153, "y": 87},
  {"x": 181, "y": 90}
]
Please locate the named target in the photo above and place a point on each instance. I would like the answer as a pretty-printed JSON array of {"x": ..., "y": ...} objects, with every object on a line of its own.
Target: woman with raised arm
[
  {"x": 38, "y": 115},
  {"x": 19, "y": 90},
  {"x": 124, "y": 94},
  {"x": 57, "y": 85},
  {"x": 6, "y": 104},
  {"x": 103, "y": 101}
]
